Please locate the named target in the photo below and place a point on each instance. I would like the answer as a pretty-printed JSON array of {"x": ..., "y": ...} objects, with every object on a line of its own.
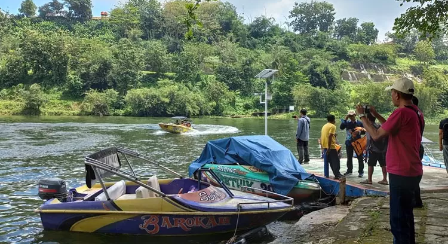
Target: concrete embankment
[{"x": 366, "y": 220}]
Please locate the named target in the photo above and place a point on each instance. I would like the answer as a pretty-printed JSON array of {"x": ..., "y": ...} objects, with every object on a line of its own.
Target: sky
[{"x": 380, "y": 12}]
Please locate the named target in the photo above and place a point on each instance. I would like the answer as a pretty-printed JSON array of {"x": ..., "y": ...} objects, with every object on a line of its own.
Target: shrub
[
  {"x": 99, "y": 103},
  {"x": 34, "y": 99}
]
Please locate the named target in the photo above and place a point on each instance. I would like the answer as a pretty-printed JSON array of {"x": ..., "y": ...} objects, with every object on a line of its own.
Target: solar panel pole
[
  {"x": 265, "y": 74},
  {"x": 266, "y": 107}
]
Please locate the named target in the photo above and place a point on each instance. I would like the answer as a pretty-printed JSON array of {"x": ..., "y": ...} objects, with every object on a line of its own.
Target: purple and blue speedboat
[{"x": 161, "y": 207}]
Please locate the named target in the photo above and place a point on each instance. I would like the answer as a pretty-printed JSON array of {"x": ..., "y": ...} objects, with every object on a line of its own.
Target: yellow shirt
[{"x": 328, "y": 129}]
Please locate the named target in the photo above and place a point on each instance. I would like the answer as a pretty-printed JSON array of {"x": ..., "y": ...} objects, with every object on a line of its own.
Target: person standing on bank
[
  {"x": 377, "y": 153},
  {"x": 302, "y": 137},
  {"x": 349, "y": 124},
  {"x": 443, "y": 140},
  {"x": 330, "y": 153},
  {"x": 403, "y": 129}
]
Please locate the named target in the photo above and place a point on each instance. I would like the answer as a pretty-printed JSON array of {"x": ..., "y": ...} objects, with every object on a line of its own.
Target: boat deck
[{"x": 434, "y": 179}]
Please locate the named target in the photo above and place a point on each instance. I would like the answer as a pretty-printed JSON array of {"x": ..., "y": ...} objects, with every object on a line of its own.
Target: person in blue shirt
[
  {"x": 302, "y": 137},
  {"x": 349, "y": 124}
]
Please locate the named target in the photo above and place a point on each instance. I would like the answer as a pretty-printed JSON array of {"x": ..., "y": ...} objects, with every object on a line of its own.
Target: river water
[{"x": 32, "y": 148}]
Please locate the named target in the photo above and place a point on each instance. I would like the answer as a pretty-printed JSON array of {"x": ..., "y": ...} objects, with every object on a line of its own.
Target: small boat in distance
[
  {"x": 178, "y": 124},
  {"x": 158, "y": 207}
]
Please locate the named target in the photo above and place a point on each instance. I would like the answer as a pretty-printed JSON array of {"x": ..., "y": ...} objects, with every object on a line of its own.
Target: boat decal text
[
  {"x": 153, "y": 223},
  {"x": 254, "y": 169},
  {"x": 230, "y": 170},
  {"x": 235, "y": 182},
  {"x": 208, "y": 197}
]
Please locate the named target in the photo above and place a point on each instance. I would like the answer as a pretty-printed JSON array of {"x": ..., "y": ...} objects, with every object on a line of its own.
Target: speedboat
[
  {"x": 159, "y": 207},
  {"x": 259, "y": 162},
  {"x": 428, "y": 157},
  {"x": 179, "y": 124}
]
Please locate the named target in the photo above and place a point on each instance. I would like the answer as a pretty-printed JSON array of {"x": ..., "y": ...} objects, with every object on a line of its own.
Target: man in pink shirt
[{"x": 404, "y": 130}]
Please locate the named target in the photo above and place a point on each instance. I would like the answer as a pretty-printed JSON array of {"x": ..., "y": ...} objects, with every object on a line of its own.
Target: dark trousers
[
  {"x": 350, "y": 151},
  {"x": 332, "y": 159},
  {"x": 402, "y": 194},
  {"x": 302, "y": 149}
]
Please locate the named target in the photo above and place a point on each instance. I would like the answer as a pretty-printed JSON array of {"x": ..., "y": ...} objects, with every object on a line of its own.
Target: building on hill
[{"x": 104, "y": 14}]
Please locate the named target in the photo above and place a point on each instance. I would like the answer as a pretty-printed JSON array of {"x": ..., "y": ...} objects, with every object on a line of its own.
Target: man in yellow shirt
[{"x": 328, "y": 142}]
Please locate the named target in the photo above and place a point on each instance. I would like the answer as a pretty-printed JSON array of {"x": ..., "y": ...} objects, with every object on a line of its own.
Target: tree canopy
[
  {"x": 429, "y": 17},
  {"x": 147, "y": 59},
  {"x": 28, "y": 8}
]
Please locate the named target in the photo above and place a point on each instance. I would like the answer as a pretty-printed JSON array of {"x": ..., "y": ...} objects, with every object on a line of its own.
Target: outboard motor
[{"x": 52, "y": 188}]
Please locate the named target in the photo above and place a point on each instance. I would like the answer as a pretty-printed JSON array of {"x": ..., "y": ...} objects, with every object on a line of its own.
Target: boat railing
[
  {"x": 125, "y": 152},
  {"x": 95, "y": 164},
  {"x": 216, "y": 177},
  {"x": 108, "y": 160},
  {"x": 285, "y": 199}
]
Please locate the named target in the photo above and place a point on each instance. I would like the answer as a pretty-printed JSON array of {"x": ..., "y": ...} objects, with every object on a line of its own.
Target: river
[{"x": 32, "y": 148}]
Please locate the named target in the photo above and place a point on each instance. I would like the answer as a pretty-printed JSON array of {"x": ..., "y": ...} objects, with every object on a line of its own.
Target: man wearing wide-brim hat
[
  {"x": 404, "y": 131},
  {"x": 349, "y": 124}
]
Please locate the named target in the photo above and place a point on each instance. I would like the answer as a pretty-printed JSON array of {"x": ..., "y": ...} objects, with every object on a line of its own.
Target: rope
[{"x": 232, "y": 240}]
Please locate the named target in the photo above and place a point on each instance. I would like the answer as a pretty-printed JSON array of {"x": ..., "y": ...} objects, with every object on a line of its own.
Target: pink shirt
[{"x": 402, "y": 157}]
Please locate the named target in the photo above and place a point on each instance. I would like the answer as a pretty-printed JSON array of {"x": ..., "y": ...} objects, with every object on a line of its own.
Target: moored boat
[
  {"x": 179, "y": 124},
  {"x": 428, "y": 157},
  {"x": 161, "y": 207},
  {"x": 259, "y": 162}
]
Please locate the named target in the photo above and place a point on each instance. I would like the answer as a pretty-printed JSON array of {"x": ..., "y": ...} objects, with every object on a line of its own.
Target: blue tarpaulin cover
[{"x": 262, "y": 152}]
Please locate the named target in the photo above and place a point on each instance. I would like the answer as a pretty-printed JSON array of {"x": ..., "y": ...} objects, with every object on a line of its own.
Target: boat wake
[{"x": 204, "y": 130}]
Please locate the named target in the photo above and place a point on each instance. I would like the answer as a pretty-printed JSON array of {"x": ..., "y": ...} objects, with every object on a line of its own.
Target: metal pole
[{"x": 266, "y": 107}]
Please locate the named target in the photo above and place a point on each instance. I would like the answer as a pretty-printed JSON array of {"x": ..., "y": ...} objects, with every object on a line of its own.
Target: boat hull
[
  {"x": 173, "y": 128},
  {"x": 155, "y": 223},
  {"x": 237, "y": 176},
  {"x": 180, "y": 213}
]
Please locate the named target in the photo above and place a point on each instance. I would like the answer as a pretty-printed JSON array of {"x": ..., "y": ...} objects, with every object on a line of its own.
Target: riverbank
[
  {"x": 73, "y": 108},
  {"x": 366, "y": 220}
]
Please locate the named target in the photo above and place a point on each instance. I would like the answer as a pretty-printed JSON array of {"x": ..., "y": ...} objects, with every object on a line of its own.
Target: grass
[
  {"x": 10, "y": 107},
  {"x": 53, "y": 107},
  {"x": 440, "y": 66}
]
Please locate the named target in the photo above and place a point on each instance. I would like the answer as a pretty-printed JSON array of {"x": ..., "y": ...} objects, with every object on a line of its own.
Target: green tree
[
  {"x": 45, "y": 56},
  {"x": 435, "y": 78},
  {"x": 406, "y": 42},
  {"x": 156, "y": 57},
  {"x": 264, "y": 27},
  {"x": 174, "y": 16},
  {"x": 313, "y": 16},
  {"x": 346, "y": 28},
  {"x": 52, "y": 9},
  {"x": 127, "y": 66},
  {"x": 99, "y": 103},
  {"x": 320, "y": 100},
  {"x": 367, "y": 34},
  {"x": 146, "y": 102},
  {"x": 218, "y": 95},
  {"x": 28, "y": 8},
  {"x": 149, "y": 13},
  {"x": 323, "y": 74},
  {"x": 124, "y": 19},
  {"x": 34, "y": 99},
  {"x": 372, "y": 93},
  {"x": 79, "y": 9},
  {"x": 429, "y": 18},
  {"x": 424, "y": 52}
]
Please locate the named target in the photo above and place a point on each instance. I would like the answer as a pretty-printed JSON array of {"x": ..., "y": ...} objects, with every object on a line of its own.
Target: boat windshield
[{"x": 108, "y": 162}]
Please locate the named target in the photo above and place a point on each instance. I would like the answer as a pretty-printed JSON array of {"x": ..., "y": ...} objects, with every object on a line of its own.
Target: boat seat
[
  {"x": 142, "y": 192},
  {"x": 115, "y": 191},
  {"x": 127, "y": 197}
]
